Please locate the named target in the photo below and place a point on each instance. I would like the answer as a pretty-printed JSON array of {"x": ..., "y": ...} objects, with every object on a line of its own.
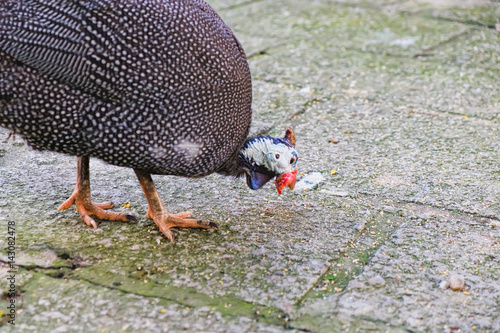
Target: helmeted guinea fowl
[{"x": 162, "y": 87}]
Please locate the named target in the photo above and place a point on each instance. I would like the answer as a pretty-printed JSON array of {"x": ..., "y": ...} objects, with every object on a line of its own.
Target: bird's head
[{"x": 266, "y": 157}]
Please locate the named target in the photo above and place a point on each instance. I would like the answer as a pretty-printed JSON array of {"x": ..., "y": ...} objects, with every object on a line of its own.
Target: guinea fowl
[{"x": 162, "y": 87}]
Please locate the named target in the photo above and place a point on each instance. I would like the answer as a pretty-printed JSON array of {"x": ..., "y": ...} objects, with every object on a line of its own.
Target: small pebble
[
  {"x": 259, "y": 252},
  {"x": 233, "y": 246},
  {"x": 444, "y": 284},
  {"x": 457, "y": 282},
  {"x": 336, "y": 193},
  {"x": 355, "y": 285},
  {"x": 333, "y": 139},
  {"x": 376, "y": 281}
]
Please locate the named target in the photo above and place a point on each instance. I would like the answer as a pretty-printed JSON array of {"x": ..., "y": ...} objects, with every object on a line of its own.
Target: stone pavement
[{"x": 396, "y": 103}]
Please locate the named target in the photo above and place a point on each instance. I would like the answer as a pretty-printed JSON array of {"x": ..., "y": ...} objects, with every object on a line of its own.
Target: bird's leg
[
  {"x": 157, "y": 211},
  {"x": 81, "y": 198}
]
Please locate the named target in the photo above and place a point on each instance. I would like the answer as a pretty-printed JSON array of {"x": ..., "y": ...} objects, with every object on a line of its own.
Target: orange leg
[
  {"x": 157, "y": 211},
  {"x": 81, "y": 199}
]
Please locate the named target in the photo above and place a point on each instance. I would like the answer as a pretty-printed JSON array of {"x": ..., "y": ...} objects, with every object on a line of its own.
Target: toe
[
  {"x": 66, "y": 204},
  {"x": 183, "y": 215},
  {"x": 107, "y": 215},
  {"x": 105, "y": 205},
  {"x": 88, "y": 220},
  {"x": 167, "y": 232},
  {"x": 177, "y": 222}
]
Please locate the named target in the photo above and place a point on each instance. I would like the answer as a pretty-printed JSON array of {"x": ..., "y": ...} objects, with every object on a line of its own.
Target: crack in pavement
[
  {"x": 450, "y": 210},
  {"x": 450, "y": 39},
  {"x": 258, "y": 312},
  {"x": 457, "y": 20},
  {"x": 364, "y": 247}
]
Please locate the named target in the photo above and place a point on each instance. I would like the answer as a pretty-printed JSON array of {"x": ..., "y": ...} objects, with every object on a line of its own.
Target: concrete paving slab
[{"x": 394, "y": 103}]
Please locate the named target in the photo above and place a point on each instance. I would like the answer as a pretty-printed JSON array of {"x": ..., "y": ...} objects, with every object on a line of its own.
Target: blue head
[{"x": 266, "y": 157}]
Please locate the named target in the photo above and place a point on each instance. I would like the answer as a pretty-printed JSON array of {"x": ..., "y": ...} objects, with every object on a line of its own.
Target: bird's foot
[
  {"x": 182, "y": 215},
  {"x": 165, "y": 221},
  {"x": 157, "y": 211},
  {"x": 85, "y": 207}
]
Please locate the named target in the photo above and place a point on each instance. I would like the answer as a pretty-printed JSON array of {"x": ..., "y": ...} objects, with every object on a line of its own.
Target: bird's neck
[{"x": 237, "y": 165}]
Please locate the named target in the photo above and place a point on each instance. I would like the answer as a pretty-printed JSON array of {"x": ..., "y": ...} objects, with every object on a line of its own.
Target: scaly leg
[
  {"x": 81, "y": 198},
  {"x": 157, "y": 211}
]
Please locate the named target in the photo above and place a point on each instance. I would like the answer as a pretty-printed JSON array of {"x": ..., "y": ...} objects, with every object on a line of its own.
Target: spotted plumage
[
  {"x": 131, "y": 82},
  {"x": 160, "y": 86}
]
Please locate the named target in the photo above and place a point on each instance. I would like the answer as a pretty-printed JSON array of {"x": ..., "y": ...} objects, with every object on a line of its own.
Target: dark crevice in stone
[
  {"x": 318, "y": 280},
  {"x": 59, "y": 274},
  {"x": 354, "y": 248},
  {"x": 304, "y": 108},
  {"x": 130, "y": 292},
  {"x": 293, "y": 116},
  {"x": 265, "y": 51},
  {"x": 466, "y": 22},
  {"x": 458, "y": 114},
  {"x": 64, "y": 256},
  {"x": 289, "y": 326},
  {"x": 257, "y": 315},
  {"x": 425, "y": 52},
  {"x": 451, "y": 210},
  {"x": 33, "y": 267}
]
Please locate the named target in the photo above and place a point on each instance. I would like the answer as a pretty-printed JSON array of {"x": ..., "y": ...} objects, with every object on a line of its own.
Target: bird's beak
[{"x": 286, "y": 179}]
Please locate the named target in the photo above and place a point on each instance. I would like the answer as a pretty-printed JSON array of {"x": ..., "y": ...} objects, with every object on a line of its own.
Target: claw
[
  {"x": 88, "y": 220},
  {"x": 214, "y": 225},
  {"x": 131, "y": 218}
]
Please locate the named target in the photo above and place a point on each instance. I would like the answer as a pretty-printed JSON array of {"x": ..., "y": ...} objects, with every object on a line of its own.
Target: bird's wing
[{"x": 123, "y": 50}]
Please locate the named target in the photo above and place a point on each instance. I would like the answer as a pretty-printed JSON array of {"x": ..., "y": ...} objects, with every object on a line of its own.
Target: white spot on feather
[
  {"x": 189, "y": 149},
  {"x": 158, "y": 152}
]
